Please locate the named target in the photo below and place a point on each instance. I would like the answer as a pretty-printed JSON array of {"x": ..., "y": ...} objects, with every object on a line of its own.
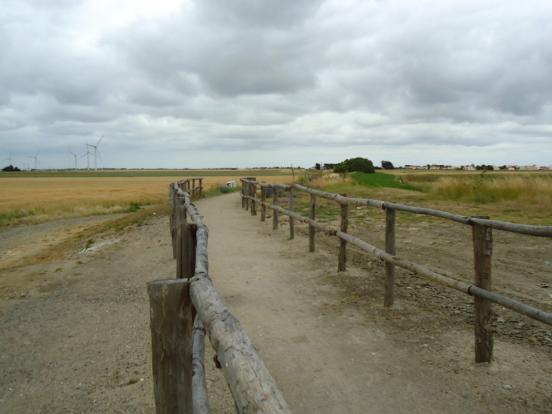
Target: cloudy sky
[{"x": 207, "y": 83}]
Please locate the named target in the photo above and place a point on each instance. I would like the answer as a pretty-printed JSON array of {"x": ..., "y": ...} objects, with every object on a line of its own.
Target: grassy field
[
  {"x": 515, "y": 196},
  {"x": 44, "y": 196}
]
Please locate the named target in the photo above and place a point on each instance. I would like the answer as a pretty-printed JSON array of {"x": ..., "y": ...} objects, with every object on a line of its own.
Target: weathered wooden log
[
  {"x": 524, "y": 309},
  {"x": 282, "y": 187},
  {"x": 389, "y": 284},
  {"x": 171, "y": 344},
  {"x": 291, "y": 219},
  {"x": 342, "y": 262},
  {"x": 274, "y": 211},
  {"x": 253, "y": 388},
  {"x": 200, "y": 399},
  {"x": 482, "y": 251},
  {"x": 312, "y": 216}
]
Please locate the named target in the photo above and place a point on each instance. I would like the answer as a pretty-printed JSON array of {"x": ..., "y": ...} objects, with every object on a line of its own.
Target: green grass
[
  {"x": 133, "y": 206},
  {"x": 13, "y": 215},
  {"x": 380, "y": 180}
]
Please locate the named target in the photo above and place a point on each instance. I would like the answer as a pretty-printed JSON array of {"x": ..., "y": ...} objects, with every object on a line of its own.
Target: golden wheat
[{"x": 33, "y": 200}]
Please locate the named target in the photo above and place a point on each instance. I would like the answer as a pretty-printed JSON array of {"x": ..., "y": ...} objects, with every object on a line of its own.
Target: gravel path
[{"x": 79, "y": 340}]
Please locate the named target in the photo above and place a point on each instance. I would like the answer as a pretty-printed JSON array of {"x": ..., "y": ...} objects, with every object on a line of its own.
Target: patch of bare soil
[{"x": 33, "y": 244}]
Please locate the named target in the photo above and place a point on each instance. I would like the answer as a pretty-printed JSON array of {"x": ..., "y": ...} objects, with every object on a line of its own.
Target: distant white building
[
  {"x": 231, "y": 184},
  {"x": 529, "y": 167},
  {"x": 415, "y": 167}
]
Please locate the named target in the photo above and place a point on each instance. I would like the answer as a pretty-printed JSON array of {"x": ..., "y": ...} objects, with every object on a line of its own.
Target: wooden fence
[
  {"x": 182, "y": 310},
  {"x": 482, "y": 228}
]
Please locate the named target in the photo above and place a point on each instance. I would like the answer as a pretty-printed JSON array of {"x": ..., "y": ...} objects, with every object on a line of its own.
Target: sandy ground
[{"x": 77, "y": 340}]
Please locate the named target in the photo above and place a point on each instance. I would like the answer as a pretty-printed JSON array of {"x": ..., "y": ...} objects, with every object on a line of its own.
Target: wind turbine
[
  {"x": 9, "y": 159},
  {"x": 74, "y": 154},
  {"x": 95, "y": 147},
  {"x": 35, "y": 158},
  {"x": 87, "y": 155}
]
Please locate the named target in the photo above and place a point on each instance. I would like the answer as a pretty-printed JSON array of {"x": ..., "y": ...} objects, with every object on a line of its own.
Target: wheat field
[{"x": 28, "y": 199}]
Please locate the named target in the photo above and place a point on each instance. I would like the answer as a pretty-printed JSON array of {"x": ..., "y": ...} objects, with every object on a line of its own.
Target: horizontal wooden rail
[
  {"x": 538, "y": 314},
  {"x": 529, "y": 229},
  {"x": 482, "y": 245},
  {"x": 253, "y": 388},
  {"x": 319, "y": 226}
]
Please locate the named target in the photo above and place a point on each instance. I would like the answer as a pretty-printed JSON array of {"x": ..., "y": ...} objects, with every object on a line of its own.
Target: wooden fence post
[
  {"x": 483, "y": 251},
  {"x": 171, "y": 345},
  {"x": 274, "y": 212},
  {"x": 172, "y": 218},
  {"x": 389, "y": 284},
  {"x": 342, "y": 264},
  {"x": 201, "y": 188},
  {"x": 312, "y": 215},
  {"x": 246, "y": 192},
  {"x": 263, "y": 200},
  {"x": 242, "y": 192},
  {"x": 291, "y": 219},
  {"x": 186, "y": 251},
  {"x": 253, "y": 194},
  {"x": 178, "y": 216}
]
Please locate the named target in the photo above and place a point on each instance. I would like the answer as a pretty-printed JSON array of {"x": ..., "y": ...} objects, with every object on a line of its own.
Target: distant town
[{"x": 387, "y": 165}]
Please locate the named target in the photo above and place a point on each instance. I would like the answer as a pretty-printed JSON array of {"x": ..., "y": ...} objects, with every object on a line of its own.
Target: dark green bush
[
  {"x": 133, "y": 207},
  {"x": 355, "y": 164}
]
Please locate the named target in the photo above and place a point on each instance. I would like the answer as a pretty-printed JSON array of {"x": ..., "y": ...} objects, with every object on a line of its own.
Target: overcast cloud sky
[{"x": 209, "y": 83}]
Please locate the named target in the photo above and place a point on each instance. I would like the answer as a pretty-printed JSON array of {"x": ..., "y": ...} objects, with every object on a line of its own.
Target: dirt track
[{"x": 79, "y": 340}]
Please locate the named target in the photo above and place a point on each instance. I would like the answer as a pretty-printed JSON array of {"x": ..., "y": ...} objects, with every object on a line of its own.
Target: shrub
[
  {"x": 355, "y": 164},
  {"x": 133, "y": 207}
]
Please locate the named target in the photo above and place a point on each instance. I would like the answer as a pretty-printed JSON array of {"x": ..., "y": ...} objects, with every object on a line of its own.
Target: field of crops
[{"x": 37, "y": 197}]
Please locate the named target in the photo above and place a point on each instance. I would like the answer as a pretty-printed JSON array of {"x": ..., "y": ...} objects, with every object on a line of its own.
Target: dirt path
[{"x": 77, "y": 340}]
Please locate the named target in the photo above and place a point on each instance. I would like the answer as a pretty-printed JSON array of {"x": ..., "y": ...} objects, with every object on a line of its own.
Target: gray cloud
[{"x": 245, "y": 82}]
